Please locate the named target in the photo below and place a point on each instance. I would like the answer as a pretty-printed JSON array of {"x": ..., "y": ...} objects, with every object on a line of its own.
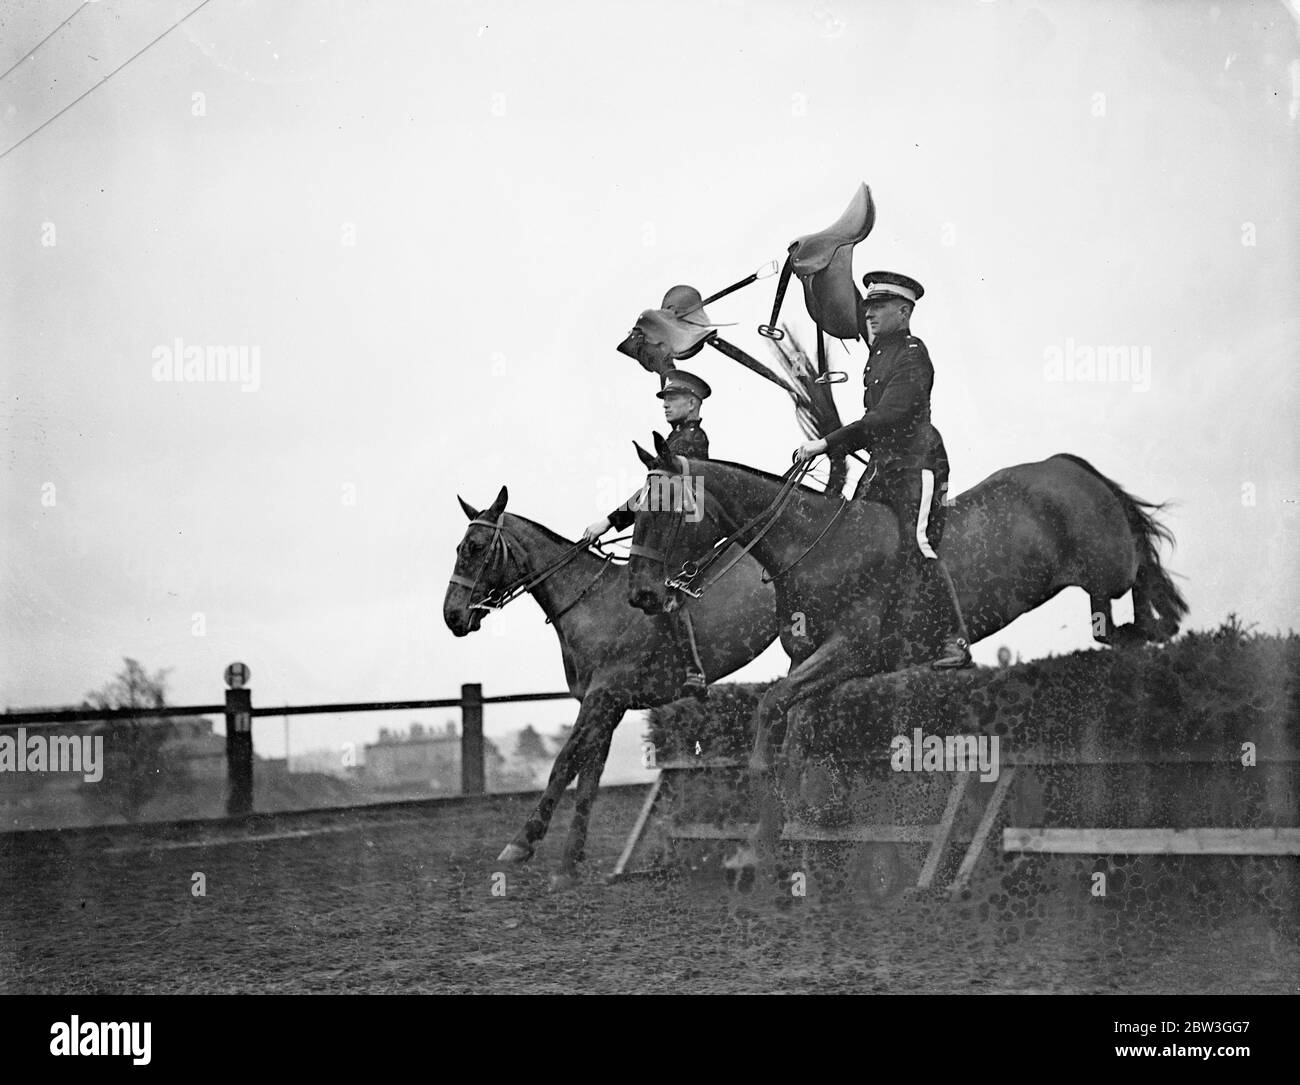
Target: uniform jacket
[
  {"x": 687, "y": 439},
  {"x": 896, "y": 426}
]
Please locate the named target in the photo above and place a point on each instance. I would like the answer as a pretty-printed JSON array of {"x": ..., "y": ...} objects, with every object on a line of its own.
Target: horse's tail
[{"x": 1158, "y": 605}]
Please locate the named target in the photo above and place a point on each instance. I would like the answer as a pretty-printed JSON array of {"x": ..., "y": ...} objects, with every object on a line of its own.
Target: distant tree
[
  {"x": 136, "y": 764},
  {"x": 531, "y": 746}
]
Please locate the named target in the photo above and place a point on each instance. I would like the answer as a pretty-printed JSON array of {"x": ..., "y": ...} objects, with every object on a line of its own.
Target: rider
[
  {"x": 909, "y": 465},
  {"x": 682, "y": 394}
]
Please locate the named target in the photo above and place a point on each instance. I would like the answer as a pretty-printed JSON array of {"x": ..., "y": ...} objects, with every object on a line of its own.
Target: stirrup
[
  {"x": 834, "y": 376},
  {"x": 695, "y": 685},
  {"x": 769, "y": 332}
]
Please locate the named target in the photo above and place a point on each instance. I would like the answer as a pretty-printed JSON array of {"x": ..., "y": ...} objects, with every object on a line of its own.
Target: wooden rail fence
[{"x": 239, "y": 713}]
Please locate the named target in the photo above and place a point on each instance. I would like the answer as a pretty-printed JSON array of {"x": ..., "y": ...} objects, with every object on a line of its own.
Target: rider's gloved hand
[
  {"x": 592, "y": 532},
  {"x": 808, "y": 450}
]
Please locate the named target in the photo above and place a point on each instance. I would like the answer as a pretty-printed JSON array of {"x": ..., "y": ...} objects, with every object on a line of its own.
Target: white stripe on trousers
[{"x": 923, "y": 517}]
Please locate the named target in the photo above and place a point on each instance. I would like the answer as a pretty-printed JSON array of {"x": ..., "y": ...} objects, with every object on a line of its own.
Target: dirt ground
[{"x": 401, "y": 900}]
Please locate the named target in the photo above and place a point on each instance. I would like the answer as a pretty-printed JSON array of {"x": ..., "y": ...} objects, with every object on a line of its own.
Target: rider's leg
[
  {"x": 929, "y": 532},
  {"x": 682, "y": 633}
]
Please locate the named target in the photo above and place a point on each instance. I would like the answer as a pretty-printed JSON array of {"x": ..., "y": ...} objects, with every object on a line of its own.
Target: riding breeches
[{"x": 917, "y": 497}]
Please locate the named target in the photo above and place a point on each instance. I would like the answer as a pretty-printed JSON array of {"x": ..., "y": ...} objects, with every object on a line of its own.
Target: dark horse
[
  {"x": 615, "y": 658},
  {"x": 1011, "y": 543}
]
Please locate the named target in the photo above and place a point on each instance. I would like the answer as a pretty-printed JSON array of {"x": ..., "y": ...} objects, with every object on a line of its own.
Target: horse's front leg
[
  {"x": 596, "y": 707},
  {"x": 829, "y": 665},
  {"x": 593, "y": 761}
]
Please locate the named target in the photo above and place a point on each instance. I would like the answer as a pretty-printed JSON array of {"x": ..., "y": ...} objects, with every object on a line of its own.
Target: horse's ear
[
  {"x": 645, "y": 457},
  {"x": 470, "y": 512},
  {"x": 661, "y": 446},
  {"x": 498, "y": 506}
]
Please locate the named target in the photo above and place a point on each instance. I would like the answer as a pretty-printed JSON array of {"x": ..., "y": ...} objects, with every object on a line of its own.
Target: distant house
[
  {"x": 192, "y": 743},
  {"x": 421, "y": 758}
]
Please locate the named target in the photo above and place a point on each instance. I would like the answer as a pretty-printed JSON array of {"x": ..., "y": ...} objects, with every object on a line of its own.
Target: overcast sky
[{"x": 432, "y": 223}]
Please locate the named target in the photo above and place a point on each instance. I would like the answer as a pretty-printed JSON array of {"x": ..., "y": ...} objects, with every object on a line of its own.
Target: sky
[{"x": 427, "y": 226}]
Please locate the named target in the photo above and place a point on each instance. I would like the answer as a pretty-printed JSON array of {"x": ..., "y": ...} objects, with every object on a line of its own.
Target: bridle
[
  {"x": 499, "y": 547},
  {"x": 767, "y": 518}
]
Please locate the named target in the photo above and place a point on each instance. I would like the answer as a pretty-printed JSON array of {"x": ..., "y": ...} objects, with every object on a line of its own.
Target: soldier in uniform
[
  {"x": 909, "y": 465},
  {"x": 682, "y": 394}
]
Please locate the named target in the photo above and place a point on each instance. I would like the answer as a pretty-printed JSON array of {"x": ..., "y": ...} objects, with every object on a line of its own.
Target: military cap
[
  {"x": 683, "y": 383},
  {"x": 890, "y": 284}
]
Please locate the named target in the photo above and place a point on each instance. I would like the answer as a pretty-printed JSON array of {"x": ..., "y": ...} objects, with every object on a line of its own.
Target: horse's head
[
  {"x": 486, "y": 563},
  {"x": 671, "y": 529}
]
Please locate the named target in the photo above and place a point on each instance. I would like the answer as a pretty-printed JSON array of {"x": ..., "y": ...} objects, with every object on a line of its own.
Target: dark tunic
[
  {"x": 687, "y": 439},
  {"x": 896, "y": 394},
  {"x": 897, "y": 431}
]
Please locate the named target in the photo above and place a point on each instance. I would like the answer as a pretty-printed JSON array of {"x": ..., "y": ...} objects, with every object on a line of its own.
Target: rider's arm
[{"x": 905, "y": 395}]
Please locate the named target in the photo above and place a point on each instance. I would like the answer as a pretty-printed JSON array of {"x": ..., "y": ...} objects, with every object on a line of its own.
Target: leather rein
[
  {"x": 691, "y": 569},
  {"x": 499, "y": 547}
]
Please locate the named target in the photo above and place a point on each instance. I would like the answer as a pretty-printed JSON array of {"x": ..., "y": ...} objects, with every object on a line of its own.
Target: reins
[
  {"x": 690, "y": 570},
  {"x": 496, "y": 599}
]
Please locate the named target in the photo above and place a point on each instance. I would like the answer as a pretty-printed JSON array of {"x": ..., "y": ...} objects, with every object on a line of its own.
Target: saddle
[
  {"x": 677, "y": 330},
  {"x": 824, "y": 263}
]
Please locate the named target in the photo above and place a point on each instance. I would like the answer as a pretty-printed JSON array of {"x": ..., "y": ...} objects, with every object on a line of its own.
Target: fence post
[
  {"x": 471, "y": 739},
  {"x": 239, "y": 752}
]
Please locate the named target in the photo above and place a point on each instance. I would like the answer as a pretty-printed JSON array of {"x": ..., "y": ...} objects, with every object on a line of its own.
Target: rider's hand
[
  {"x": 808, "y": 450},
  {"x": 594, "y": 531}
]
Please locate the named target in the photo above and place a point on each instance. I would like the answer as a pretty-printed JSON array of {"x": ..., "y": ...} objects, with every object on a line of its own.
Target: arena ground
[{"x": 401, "y": 900}]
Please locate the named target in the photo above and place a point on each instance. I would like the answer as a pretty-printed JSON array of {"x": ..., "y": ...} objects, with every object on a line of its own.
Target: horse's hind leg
[{"x": 1103, "y": 622}]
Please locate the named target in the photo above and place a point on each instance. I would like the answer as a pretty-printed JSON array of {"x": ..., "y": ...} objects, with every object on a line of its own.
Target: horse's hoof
[
  {"x": 561, "y": 881},
  {"x": 514, "y": 853}
]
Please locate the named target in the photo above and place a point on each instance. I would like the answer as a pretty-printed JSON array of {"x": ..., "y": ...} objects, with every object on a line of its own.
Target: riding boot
[
  {"x": 694, "y": 684},
  {"x": 956, "y": 645}
]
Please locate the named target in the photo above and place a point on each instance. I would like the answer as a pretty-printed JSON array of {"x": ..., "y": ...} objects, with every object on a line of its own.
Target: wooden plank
[
  {"x": 1227, "y": 755},
  {"x": 943, "y": 831},
  {"x": 699, "y": 830},
  {"x": 638, "y": 828},
  {"x": 1203, "y": 841},
  {"x": 795, "y": 830},
  {"x": 700, "y": 763},
  {"x": 983, "y": 830}
]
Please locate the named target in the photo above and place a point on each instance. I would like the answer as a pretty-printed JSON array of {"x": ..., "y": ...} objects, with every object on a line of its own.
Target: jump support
[{"x": 940, "y": 836}]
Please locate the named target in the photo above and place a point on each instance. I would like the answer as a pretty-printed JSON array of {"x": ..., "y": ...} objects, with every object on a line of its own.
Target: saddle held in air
[
  {"x": 677, "y": 330},
  {"x": 824, "y": 263}
]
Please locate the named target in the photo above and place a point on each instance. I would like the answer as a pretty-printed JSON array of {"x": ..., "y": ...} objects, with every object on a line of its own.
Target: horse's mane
[
  {"x": 767, "y": 476},
  {"x": 553, "y": 536}
]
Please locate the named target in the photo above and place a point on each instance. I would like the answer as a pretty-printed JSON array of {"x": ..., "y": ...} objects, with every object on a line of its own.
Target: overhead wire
[
  {"x": 32, "y": 51},
  {"x": 45, "y": 124}
]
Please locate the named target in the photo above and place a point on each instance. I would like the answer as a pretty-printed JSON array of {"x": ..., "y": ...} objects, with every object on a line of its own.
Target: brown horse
[
  {"x": 1011, "y": 543},
  {"x": 615, "y": 658}
]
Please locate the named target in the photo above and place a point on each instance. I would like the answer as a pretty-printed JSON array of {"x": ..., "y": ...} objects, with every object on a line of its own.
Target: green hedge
[{"x": 1205, "y": 692}]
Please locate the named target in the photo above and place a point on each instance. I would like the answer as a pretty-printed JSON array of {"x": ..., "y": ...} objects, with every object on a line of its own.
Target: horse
[
  {"x": 1010, "y": 543},
  {"x": 615, "y": 657}
]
